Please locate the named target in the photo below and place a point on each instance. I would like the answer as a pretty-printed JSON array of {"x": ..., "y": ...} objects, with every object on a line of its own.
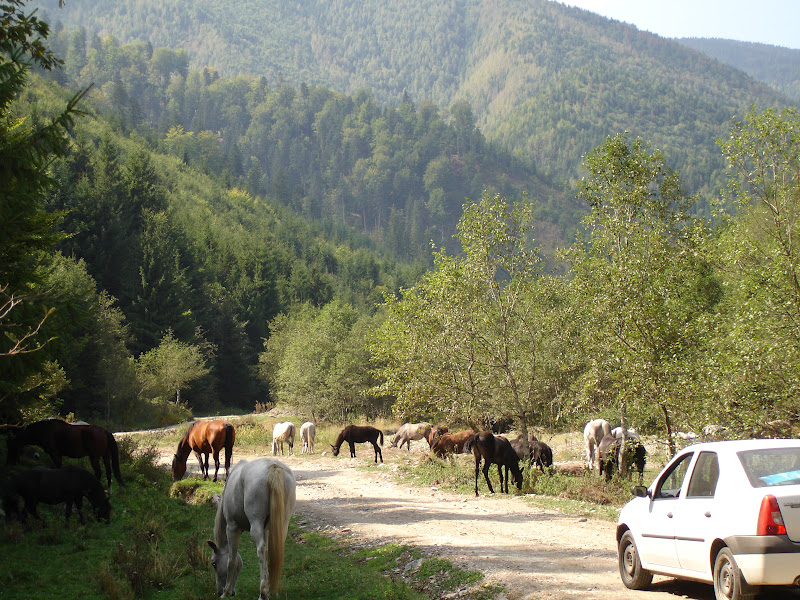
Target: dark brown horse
[
  {"x": 359, "y": 434},
  {"x": 59, "y": 439},
  {"x": 204, "y": 438},
  {"x": 452, "y": 443},
  {"x": 496, "y": 450},
  {"x": 613, "y": 456},
  {"x": 68, "y": 484},
  {"x": 535, "y": 452}
]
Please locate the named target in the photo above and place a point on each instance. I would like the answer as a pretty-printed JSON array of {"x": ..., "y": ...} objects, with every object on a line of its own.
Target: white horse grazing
[
  {"x": 307, "y": 433},
  {"x": 630, "y": 434},
  {"x": 259, "y": 495},
  {"x": 283, "y": 432},
  {"x": 411, "y": 431},
  {"x": 594, "y": 431}
]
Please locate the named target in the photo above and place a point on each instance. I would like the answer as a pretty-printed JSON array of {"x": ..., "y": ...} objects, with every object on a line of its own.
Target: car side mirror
[{"x": 640, "y": 491}]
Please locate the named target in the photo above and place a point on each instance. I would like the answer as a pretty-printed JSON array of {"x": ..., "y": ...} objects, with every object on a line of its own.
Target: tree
[
  {"x": 461, "y": 344},
  {"x": 757, "y": 362},
  {"x": 170, "y": 367},
  {"x": 26, "y": 228},
  {"x": 317, "y": 360},
  {"x": 643, "y": 282}
]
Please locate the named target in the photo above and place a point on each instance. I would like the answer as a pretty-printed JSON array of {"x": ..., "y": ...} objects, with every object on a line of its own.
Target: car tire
[
  {"x": 633, "y": 575},
  {"x": 728, "y": 581}
]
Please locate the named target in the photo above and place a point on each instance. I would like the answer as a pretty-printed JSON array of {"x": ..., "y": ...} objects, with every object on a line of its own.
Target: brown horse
[
  {"x": 359, "y": 434},
  {"x": 437, "y": 431},
  {"x": 59, "y": 439},
  {"x": 497, "y": 450},
  {"x": 452, "y": 443},
  {"x": 204, "y": 438}
]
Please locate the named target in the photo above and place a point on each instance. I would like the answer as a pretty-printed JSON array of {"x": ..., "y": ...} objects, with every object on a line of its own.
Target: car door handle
[{"x": 707, "y": 513}]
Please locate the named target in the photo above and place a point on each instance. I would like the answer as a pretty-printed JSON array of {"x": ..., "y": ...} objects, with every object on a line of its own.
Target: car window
[
  {"x": 670, "y": 484},
  {"x": 771, "y": 466},
  {"x": 704, "y": 476}
]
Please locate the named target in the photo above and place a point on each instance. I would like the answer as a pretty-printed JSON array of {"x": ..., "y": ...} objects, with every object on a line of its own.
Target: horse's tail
[
  {"x": 277, "y": 525},
  {"x": 113, "y": 449},
  {"x": 468, "y": 444},
  {"x": 380, "y": 431},
  {"x": 230, "y": 437}
]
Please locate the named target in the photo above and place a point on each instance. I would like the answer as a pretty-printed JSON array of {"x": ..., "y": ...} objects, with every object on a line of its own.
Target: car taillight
[{"x": 770, "y": 520}]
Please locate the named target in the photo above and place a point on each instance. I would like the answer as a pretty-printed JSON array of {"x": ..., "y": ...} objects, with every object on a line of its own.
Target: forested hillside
[
  {"x": 196, "y": 209},
  {"x": 777, "y": 67},
  {"x": 545, "y": 80},
  {"x": 165, "y": 279}
]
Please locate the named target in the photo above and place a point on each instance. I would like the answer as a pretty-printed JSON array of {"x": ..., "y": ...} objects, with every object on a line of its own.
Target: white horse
[
  {"x": 283, "y": 432},
  {"x": 308, "y": 432},
  {"x": 594, "y": 431},
  {"x": 411, "y": 431},
  {"x": 629, "y": 434},
  {"x": 260, "y": 495}
]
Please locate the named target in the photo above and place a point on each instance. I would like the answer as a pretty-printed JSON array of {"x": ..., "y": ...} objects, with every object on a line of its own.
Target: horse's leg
[
  {"x": 377, "y": 452},
  {"x": 216, "y": 464},
  {"x": 79, "y": 508},
  {"x": 590, "y": 454},
  {"x": 259, "y": 536},
  {"x": 477, "y": 468},
  {"x": 353, "y": 450},
  {"x": 234, "y": 562},
  {"x": 502, "y": 481},
  {"x": 486, "y": 466},
  {"x": 107, "y": 463},
  {"x": 200, "y": 460}
]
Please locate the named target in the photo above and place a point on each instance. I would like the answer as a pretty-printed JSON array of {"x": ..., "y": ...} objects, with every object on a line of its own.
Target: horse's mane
[
  {"x": 184, "y": 443},
  {"x": 340, "y": 437},
  {"x": 220, "y": 533}
]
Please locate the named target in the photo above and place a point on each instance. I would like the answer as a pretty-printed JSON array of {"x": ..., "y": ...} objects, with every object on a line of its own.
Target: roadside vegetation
[{"x": 156, "y": 546}]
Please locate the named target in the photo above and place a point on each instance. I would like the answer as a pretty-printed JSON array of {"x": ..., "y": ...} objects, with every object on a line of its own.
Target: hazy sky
[{"x": 775, "y": 22}]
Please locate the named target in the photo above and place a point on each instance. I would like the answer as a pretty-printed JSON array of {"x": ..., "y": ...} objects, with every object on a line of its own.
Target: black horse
[
  {"x": 68, "y": 484},
  {"x": 497, "y": 450},
  {"x": 359, "y": 434},
  {"x": 613, "y": 456},
  {"x": 59, "y": 439},
  {"x": 536, "y": 452}
]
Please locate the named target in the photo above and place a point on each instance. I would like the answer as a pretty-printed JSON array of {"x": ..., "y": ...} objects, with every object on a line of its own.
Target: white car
[{"x": 726, "y": 513}]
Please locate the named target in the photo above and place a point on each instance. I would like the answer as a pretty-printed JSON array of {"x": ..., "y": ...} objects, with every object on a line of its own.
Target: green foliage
[
  {"x": 774, "y": 65},
  {"x": 644, "y": 283},
  {"x": 545, "y": 80},
  {"x": 462, "y": 343},
  {"x": 171, "y": 366},
  {"x": 317, "y": 361},
  {"x": 754, "y": 358},
  {"x": 28, "y": 144}
]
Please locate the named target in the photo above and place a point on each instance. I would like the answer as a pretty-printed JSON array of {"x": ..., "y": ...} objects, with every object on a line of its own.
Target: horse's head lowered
[
  {"x": 178, "y": 467},
  {"x": 335, "y": 450},
  {"x": 219, "y": 562}
]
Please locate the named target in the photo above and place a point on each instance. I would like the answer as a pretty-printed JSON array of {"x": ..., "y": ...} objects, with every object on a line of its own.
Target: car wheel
[
  {"x": 728, "y": 580},
  {"x": 630, "y": 567}
]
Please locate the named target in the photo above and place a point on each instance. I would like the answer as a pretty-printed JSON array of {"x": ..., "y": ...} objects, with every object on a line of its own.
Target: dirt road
[{"x": 536, "y": 554}]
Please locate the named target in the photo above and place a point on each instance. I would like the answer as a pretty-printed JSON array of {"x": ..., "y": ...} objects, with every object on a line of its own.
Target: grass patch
[
  {"x": 155, "y": 547},
  {"x": 584, "y": 494}
]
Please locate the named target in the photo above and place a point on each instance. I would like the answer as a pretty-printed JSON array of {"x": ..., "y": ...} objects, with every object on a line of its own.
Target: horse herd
[{"x": 260, "y": 495}]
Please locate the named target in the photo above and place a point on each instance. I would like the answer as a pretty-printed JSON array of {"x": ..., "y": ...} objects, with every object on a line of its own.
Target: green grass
[
  {"x": 582, "y": 495},
  {"x": 155, "y": 547}
]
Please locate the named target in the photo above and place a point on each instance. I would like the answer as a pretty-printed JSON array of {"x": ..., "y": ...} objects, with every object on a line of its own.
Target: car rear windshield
[{"x": 771, "y": 466}]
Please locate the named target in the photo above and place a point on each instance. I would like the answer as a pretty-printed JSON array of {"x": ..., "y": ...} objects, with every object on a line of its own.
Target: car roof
[{"x": 739, "y": 445}]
